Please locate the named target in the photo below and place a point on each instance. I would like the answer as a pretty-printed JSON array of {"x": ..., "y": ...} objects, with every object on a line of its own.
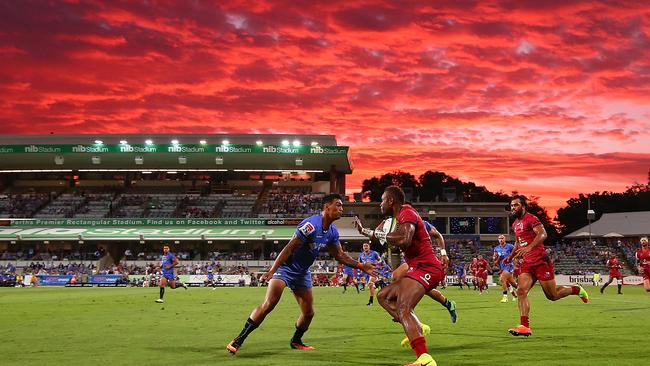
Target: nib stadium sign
[{"x": 173, "y": 148}]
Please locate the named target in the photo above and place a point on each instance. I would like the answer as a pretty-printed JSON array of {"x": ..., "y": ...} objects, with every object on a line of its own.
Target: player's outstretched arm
[
  {"x": 344, "y": 258},
  {"x": 288, "y": 249}
]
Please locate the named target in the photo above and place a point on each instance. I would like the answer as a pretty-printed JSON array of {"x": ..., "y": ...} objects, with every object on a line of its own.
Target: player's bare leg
[
  {"x": 554, "y": 292},
  {"x": 305, "y": 300},
  {"x": 371, "y": 289},
  {"x": 525, "y": 282},
  {"x": 409, "y": 293},
  {"x": 387, "y": 298},
  {"x": 162, "y": 284},
  {"x": 507, "y": 280},
  {"x": 450, "y": 305},
  {"x": 646, "y": 285},
  {"x": 436, "y": 295},
  {"x": 271, "y": 299}
]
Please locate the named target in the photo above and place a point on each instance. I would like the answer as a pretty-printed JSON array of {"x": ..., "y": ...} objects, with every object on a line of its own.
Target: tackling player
[
  {"x": 535, "y": 265},
  {"x": 167, "y": 264},
  {"x": 291, "y": 269}
]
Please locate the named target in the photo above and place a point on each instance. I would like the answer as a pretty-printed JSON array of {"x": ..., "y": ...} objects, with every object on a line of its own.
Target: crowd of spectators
[
  {"x": 292, "y": 202},
  {"x": 21, "y": 205}
]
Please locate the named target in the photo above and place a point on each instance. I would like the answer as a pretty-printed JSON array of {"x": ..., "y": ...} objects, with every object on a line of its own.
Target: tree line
[{"x": 435, "y": 186}]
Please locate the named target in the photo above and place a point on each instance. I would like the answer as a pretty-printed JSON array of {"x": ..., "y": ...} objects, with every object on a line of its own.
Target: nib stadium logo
[
  {"x": 232, "y": 149},
  {"x": 281, "y": 150},
  {"x": 326, "y": 150},
  {"x": 93, "y": 149},
  {"x": 42, "y": 149},
  {"x": 137, "y": 149},
  {"x": 185, "y": 149}
]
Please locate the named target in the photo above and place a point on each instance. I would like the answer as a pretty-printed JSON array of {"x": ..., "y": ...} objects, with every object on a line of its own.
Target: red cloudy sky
[{"x": 550, "y": 98}]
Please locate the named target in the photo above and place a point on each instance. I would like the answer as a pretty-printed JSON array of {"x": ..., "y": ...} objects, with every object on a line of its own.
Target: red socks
[
  {"x": 524, "y": 321},
  {"x": 419, "y": 345},
  {"x": 575, "y": 290}
]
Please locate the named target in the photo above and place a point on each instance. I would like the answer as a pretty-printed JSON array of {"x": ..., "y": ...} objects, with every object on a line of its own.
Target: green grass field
[{"x": 123, "y": 326}]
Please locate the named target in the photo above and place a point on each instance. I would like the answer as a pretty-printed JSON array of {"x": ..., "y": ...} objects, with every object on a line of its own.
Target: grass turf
[{"x": 123, "y": 326}]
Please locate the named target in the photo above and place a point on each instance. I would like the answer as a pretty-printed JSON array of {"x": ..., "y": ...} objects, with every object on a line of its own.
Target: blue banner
[
  {"x": 53, "y": 280},
  {"x": 104, "y": 279}
]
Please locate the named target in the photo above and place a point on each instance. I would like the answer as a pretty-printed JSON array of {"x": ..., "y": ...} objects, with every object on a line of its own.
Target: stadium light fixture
[
  {"x": 219, "y": 160},
  {"x": 58, "y": 160},
  {"x": 314, "y": 143},
  {"x": 259, "y": 143},
  {"x": 285, "y": 142},
  {"x": 123, "y": 142},
  {"x": 171, "y": 172},
  {"x": 182, "y": 159},
  {"x": 96, "y": 160},
  {"x": 146, "y": 172},
  {"x": 174, "y": 142},
  {"x": 203, "y": 142},
  {"x": 139, "y": 160},
  {"x": 298, "y": 161},
  {"x": 148, "y": 141},
  {"x": 99, "y": 142},
  {"x": 296, "y": 143},
  {"x": 225, "y": 142}
]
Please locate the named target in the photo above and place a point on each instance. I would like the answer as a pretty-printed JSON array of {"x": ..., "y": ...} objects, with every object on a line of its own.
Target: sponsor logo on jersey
[{"x": 307, "y": 229}]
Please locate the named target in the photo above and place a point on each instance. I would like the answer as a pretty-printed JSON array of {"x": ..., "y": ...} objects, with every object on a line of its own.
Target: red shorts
[
  {"x": 543, "y": 271},
  {"x": 646, "y": 272},
  {"x": 615, "y": 274},
  {"x": 428, "y": 275},
  {"x": 482, "y": 275}
]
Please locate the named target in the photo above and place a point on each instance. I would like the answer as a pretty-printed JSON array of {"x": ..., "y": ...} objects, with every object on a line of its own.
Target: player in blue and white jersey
[
  {"x": 349, "y": 276},
  {"x": 370, "y": 256},
  {"x": 167, "y": 263},
  {"x": 461, "y": 274},
  {"x": 210, "y": 281},
  {"x": 506, "y": 270},
  {"x": 291, "y": 269}
]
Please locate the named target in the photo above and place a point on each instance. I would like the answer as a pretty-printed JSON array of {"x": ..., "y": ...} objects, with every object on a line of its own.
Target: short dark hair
[
  {"x": 397, "y": 193},
  {"x": 521, "y": 198},
  {"x": 331, "y": 197}
]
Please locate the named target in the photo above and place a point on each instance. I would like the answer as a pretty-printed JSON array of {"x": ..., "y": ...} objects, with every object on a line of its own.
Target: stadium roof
[
  {"x": 178, "y": 152},
  {"x": 624, "y": 224}
]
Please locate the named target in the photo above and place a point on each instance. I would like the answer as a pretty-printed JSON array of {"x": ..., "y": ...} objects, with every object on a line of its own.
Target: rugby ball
[{"x": 389, "y": 225}]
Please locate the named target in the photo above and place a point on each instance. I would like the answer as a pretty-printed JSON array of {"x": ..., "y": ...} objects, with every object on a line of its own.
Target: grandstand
[{"x": 232, "y": 199}]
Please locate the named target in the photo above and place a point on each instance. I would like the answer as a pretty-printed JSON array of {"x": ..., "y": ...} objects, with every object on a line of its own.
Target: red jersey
[
  {"x": 525, "y": 235},
  {"x": 473, "y": 268},
  {"x": 421, "y": 249},
  {"x": 482, "y": 265},
  {"x": 643, "y": 257},
  {"x": 613, "y": 264}
]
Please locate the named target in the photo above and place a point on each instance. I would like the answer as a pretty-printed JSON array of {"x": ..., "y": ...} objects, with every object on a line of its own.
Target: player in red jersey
[
  {"x": 643, "y": 262},
  {"x": 535, "y": 265},
  {"x": 481, "y": 273},
  {"x": 614, "y": 273},
  {"x": 424, "y": 274},
  {"x": 473, "y": 270}
]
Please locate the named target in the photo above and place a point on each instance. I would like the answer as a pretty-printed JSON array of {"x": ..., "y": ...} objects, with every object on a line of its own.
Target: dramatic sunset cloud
[{"x": 549, "y": 98}]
